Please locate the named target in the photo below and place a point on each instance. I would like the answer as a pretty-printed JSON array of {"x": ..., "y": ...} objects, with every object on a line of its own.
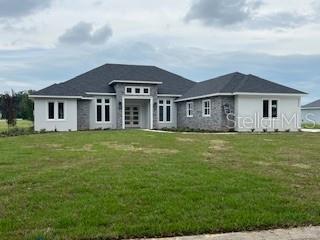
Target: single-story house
[
  {"x": 311, "y": 112},
  {"x": 119, "y": 96}
]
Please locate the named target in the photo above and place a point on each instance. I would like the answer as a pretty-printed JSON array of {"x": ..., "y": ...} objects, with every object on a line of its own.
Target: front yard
[{"x": 115, "y": 184}]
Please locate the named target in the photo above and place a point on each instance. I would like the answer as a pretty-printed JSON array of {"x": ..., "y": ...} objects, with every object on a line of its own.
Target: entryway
[
  {"x": 137, "y": 112},
  {"x": 132, "y": 117}
]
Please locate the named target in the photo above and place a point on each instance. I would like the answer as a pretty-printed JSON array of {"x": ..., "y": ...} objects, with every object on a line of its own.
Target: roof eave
[{"x": 134, "y": 82}]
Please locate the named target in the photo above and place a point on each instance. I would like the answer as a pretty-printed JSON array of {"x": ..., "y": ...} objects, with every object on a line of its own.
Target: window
[
  {"x": 161, "y": 110},
  {"x": 103, "y": 110},
  {"x": 165, "y": 107},
  {"x": 137, "y": 90},
  {"x": 189, "y": 109},
  {"x": 107, "y": 113},
  {"x": 274, "y": 108},
  {"x": 51, "y": 110},
  {"x": 128, "y": 90},
  {"x": 60, "y": 110},
  {"x": 206, "y": 108},
  {"x": 270, "y": 108},
  {"x": 265, "y": 108}
]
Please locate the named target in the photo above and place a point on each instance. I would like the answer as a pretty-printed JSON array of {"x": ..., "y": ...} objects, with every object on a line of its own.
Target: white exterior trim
[
  {"x": 136, "y": 97},
  {"x": 310, "y": 108},
  {"x": 49, "y": 96},
  {"x": 240, "y": 93},
  {"x": 270, "y": 94},
  {"x": 101, "y": 94},
  {"x": 204, "y": 96},
  {"x": 133, "y": 81},
  {"x": 189, "y": 108},
  {"x": 164, "y": 105},
  {"x": 103, "y": 105},
  {"x": 169, "y": 95},
  {"x": 203, "y": 108},
  {"x": 133, "y": 90}
]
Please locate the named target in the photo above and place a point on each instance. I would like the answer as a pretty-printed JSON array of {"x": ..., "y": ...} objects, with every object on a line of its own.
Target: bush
[{"x": 16, "y": 132}]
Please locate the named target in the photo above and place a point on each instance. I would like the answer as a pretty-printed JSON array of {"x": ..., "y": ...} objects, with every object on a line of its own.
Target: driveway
[{"x": 305, "y": 233}]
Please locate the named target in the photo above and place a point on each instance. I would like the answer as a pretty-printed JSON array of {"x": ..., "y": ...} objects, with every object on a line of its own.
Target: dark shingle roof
[
  {"x": 98, "y": 79},
  {"x": 315, "y": 104},
  {"x": 237, "y": 83}
]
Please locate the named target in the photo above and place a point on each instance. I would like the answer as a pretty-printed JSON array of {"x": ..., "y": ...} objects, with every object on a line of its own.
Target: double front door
[{"x": 132, "y": 118}]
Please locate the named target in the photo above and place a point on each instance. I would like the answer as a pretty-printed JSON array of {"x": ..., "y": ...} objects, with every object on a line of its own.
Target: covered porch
[{"x": 137, "y": 112}]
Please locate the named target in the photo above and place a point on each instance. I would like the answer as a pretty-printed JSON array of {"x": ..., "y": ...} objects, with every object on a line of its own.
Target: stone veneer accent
[
  {"x": 83, "y": 114},
  {"x": 120, "y": 92},
  {"x": 217, "y": 121}
]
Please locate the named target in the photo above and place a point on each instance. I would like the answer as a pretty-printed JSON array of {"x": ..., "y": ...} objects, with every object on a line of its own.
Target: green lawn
[
  {"x": 20, "y": 124},
  {"x": 311, "y": 126},
  {"x": 111, "y": 184}
]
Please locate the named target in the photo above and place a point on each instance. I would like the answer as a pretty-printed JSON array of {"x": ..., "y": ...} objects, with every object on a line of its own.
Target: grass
[
  {"x": 310, "y": 126},
  {"x": 120, "y": 184},
  {"x": 20, "y": 124}
]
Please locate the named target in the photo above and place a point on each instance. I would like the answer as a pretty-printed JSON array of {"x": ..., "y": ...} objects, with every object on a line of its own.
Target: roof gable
[
  {"x": 236, "y": 83},
  {"x": 315, "y": 104},
  {"x": 98, "y": 79}
]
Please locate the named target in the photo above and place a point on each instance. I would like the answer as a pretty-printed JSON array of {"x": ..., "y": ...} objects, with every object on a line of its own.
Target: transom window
[
  {"x": 103, "y": 110},
  {"x": 206, "y": 108},
  {"x": 270, "y": 108},
  {"x": 189, "y": 109},
  {"x": 56, "y": 110},
  {"x": 137, "y": 90},
  {"x": 165, "y": 108}
]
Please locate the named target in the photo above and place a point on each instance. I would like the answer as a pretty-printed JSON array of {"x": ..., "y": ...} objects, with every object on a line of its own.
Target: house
[
  {"x": 311, "y": 112},
  {"x": 119, "y": 96}
]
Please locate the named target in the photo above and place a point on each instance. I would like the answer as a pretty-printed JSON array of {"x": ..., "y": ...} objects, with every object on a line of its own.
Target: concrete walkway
[
  {"x": 305, "y": 233},
  {"x": 310, "y": 130}
]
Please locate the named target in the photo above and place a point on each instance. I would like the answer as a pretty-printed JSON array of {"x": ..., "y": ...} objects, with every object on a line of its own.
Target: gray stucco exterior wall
[
  {"x": 218, "y": 120},
  {"x": 83, "y": 118}
]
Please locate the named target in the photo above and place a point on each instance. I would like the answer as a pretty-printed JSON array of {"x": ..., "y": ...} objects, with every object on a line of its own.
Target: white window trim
[
  {"x": 270, "y": 108},
  {"x": 103, "y": 109},
  {"x": 189, "y": 108},
  {"x": 203, "y": 108},
  {"x": 55, "y": 109},
  {"x": 133, "y": 90},
  {"x": 164, "y": 104}
]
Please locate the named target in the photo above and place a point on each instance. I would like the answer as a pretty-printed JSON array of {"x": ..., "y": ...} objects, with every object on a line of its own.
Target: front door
[{"x": 132, "y": 118}]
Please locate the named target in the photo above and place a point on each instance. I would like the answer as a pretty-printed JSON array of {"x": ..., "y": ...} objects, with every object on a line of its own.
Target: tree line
[{"x": 16, "y": 105}]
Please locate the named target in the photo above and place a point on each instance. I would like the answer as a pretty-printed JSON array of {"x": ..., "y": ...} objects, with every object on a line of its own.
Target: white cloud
[
  {"x": 83, "y": 33},
  {"x": 155, "y": 32}
]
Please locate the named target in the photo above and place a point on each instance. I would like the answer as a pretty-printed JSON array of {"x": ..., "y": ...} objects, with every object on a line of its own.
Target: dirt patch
[
  {"x": 160, "y": 151},
  {"x": 133, "y": 147},
  {"x": 301, "y": 165},
  {"x": 180, "y": 139},
  {"x": 263, "y": 163},
  {"x": 218, "y": 145},
  {"x": 84, "y": 148}
]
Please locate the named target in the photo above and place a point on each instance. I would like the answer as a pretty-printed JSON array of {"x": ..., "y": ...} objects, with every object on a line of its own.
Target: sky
[{"x": 50, "y": 41}]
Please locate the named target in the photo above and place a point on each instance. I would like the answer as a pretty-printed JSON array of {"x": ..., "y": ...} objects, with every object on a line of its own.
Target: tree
[
  {"x": 8, "y": 108},
  {"x": 24, "y": 106}
]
